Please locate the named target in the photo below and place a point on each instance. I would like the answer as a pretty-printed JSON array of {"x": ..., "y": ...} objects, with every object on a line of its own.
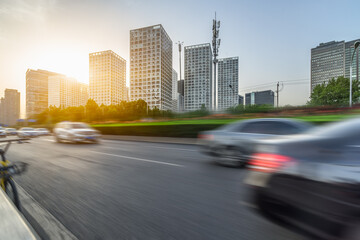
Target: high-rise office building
[
  {"x": 151, "y": 66},
  {"x": 331, "y": 60},
  {"x": 180, "y": 88},
  {"x": 198, "y": 85},
  {"x": 260, "y": 98},
  {"x": 37, "y": 91},
  {"x": 10, "y": 107},
  {"x": 241, "y": 100},
  {"x": 66, "y": 92},
  {"x": 349, "y": 50},
  {"x": 175, "y": 93},
  {"x": 83, "y": 89},
  {"x": 228, "y": 83},
  {"x": 107, "y": 77}
]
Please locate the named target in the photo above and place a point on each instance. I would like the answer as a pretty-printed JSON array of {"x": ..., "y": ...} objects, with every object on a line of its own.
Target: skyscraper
[
  {"x": 151, "y": 66},
  {"x": 198, "y": 77},
  {"x": 107, "y": 77},
  {"x": 37, "y": 91},
  {"x": 83, "y": 93},
  {"x": 331, "y": 60},
  {"x": 10, "y": 107},
  {"x": 180, "y": 88},
  {"x": 228, "y": 83},
  {"x": 260, "y": 98},
  {"x": 66, "y": 92},
  {"x": 175, "y": 94}
]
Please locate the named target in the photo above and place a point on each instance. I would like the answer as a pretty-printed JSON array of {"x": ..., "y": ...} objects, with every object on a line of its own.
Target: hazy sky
[{"x": 272, "y": 38}]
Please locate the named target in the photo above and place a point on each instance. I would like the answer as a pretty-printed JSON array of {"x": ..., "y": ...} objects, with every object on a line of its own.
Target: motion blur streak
[
  {"x": 98, "y": 196},
  {"x": 317, "y": 196}
]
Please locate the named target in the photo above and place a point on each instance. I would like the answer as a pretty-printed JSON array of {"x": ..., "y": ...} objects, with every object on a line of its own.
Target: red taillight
[
  {"x": 206, "y": 136},
  {"x": 268, "y": 162}
]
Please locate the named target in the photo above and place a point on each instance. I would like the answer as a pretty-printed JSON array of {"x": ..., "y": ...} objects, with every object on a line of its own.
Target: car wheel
[
  {"x": 230, "y": 156},
  {"x": 352, "y": 232},
  {"x": 58, "y": 139}
]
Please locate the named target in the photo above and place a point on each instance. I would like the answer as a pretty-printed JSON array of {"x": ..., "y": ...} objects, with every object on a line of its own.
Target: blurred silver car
[
  {"x": 42, "y": 131},
  {"x": 75, "y": 132},
  {"x": 10, "y": 131},
  {"x": 232, "y": 144},
  {"x": 2, "y": 132},
  {"x": 27, "y": 132}
]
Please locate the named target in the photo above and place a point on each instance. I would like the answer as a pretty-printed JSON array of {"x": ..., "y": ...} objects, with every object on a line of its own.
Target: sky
[{"x": 272, "y": 39}]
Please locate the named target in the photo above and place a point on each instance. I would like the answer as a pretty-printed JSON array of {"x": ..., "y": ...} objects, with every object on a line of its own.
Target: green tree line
[{"x": 92, "y": 112}]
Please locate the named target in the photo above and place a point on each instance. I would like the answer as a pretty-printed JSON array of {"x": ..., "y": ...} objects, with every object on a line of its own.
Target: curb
[{"x": 42, "y": 221}]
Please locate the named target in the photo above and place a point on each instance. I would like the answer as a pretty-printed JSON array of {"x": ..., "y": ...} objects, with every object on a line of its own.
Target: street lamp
[
  {"x": 147, "y": 105},
  {"x": 356, "y": 45}
]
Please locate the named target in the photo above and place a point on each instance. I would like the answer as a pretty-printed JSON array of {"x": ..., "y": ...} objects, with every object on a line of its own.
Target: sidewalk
[{"x": 188, "y": 141}]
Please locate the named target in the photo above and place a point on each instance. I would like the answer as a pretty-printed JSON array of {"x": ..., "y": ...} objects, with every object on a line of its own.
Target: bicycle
[{"x": 7, "y": 170}]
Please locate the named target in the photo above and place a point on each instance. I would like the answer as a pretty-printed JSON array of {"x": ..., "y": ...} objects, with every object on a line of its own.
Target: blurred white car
[
  {"x": 2, "y": 132},
  {"x": 42, "y": 131},
  {"x": 10, "y": 131},
  {"x": 27, "y": 132},
  {"x": 75, "y": 132}
]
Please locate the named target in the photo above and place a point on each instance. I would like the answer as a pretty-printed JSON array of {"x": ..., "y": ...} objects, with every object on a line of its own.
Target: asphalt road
[{"x": 136, "y": 190}]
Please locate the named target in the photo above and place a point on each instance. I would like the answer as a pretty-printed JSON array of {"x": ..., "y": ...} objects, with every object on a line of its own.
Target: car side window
[
  {"x": 261, "y": 127},
  {"x": 281, "y": 128}
]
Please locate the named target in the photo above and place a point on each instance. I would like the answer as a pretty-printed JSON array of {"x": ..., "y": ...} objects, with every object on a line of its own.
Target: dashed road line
[{"x": 139, "y": 159}]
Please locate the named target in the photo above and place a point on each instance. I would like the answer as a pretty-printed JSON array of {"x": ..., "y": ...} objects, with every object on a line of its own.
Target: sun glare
[{"x": 68, "y": 61}]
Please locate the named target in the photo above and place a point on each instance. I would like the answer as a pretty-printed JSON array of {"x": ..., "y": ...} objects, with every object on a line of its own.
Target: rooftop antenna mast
[{"x": 215, "y": 44}]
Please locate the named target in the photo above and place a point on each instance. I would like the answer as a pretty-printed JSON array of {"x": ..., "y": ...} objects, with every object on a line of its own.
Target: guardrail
[{"x": 12, "y": 224}]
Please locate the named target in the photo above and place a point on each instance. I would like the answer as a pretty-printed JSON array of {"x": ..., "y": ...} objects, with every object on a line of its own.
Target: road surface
[{"x": 137, "y": 190}]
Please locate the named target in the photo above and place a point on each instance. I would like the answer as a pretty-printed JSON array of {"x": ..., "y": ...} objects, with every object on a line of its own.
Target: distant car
[
  {"x": 42, "y": 131},
  {"x": 2, "y": 133},
  {"x": 10, "y": 131},
  {"x": 231, "y": 144},
  {"x": 27, "y": 132},
  {"x": 75, "y": 132},
  {"x": 310, "y": 182}
]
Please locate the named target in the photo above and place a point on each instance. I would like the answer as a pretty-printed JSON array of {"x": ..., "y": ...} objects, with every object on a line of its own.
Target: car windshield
[
  {"x": 42, "y": 129},
  {"x": 79, "y": 125},
  {"x": 27, "y": 129}
]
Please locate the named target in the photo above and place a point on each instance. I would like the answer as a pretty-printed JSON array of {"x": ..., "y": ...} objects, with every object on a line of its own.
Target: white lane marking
[
  {"x": 247, "y": 204},
  {"x": 181, "y": 149},
  {"x": 139, "y": 159}
]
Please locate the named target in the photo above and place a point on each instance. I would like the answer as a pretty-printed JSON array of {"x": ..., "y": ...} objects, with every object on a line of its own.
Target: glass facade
[{"x": 331, "y": 60}]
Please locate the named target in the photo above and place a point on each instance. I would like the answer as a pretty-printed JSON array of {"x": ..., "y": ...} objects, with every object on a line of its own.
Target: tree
[
  {"x": 335, "y": 92},
  {"x": 92, "y": 110}
]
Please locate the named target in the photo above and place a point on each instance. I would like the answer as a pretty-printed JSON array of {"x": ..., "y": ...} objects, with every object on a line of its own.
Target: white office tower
[
  {"x": 228, "y": 83},
  {"x": 107, "y": 77},
  {"x": 151, "y": 66},
  {"x": 198, "y": 86}
]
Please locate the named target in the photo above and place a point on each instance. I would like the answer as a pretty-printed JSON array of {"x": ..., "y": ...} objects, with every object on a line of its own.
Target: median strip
[{"x": 139, "y": 159}]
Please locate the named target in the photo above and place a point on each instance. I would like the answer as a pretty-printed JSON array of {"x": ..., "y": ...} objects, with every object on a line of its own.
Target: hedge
[{"x": 185, "y": 131}]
